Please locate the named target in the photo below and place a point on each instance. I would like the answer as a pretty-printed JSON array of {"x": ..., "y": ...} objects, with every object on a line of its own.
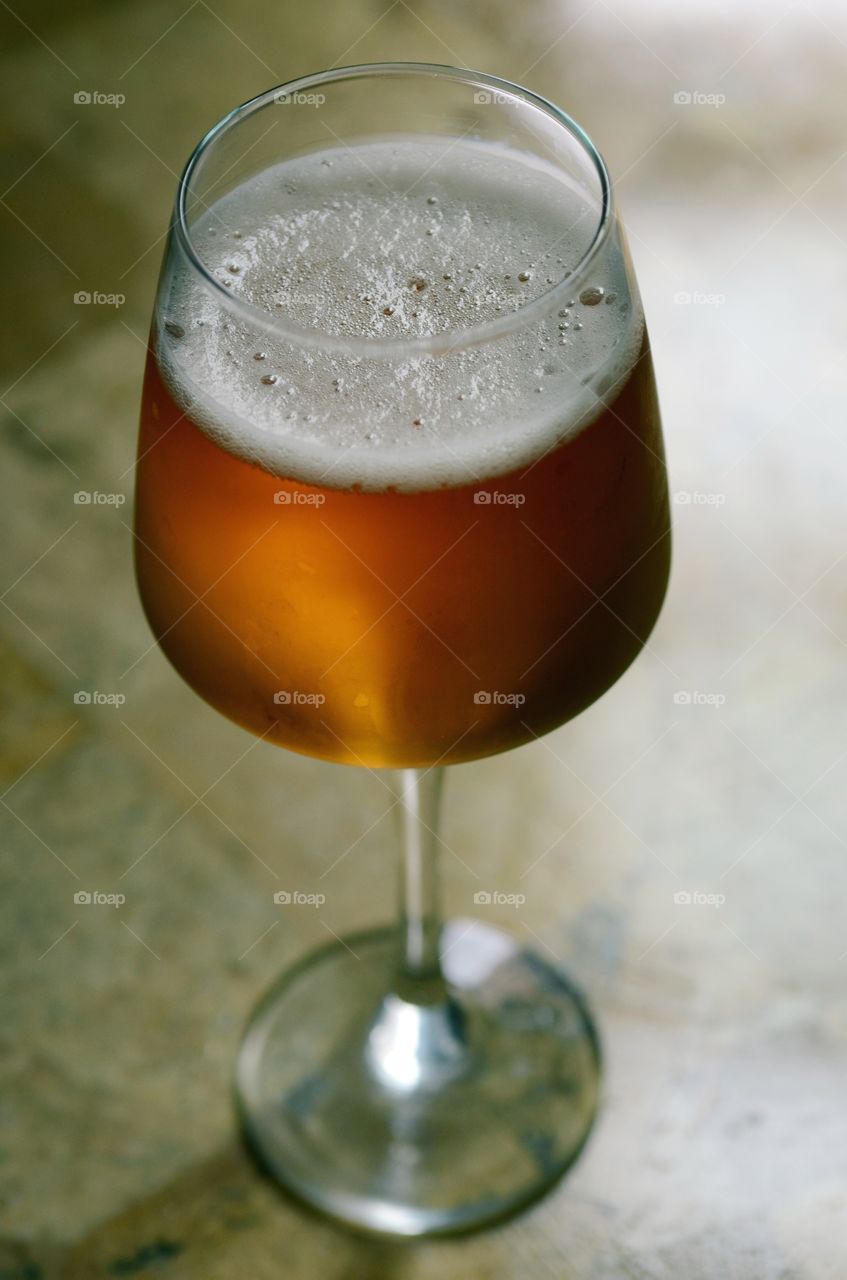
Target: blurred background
[{"x": 681, "y": 847}]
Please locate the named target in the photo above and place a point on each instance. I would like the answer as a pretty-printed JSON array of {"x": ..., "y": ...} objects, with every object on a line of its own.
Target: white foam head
[{"x": 400, "y": 239}]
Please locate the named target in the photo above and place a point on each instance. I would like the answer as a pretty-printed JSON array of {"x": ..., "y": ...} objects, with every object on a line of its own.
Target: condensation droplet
[
  {"x": 268, "y": 379},
  {"x": 388, "y": 311},
  {"x": 260, "y": 355},
  {"x": 591, "y": 296}
]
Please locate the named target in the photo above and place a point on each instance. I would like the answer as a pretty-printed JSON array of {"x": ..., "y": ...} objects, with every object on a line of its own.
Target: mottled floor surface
[{"x": 721, "y": 1147}]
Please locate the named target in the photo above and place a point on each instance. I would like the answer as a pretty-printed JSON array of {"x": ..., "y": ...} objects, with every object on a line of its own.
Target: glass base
[{"x": 420, "y": 1111}]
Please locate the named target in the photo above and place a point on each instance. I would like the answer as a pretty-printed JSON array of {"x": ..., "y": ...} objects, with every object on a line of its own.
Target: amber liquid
[{"x": 404, "y": 629}]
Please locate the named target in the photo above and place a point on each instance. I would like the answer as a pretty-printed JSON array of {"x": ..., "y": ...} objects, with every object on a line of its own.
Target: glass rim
[{"x": 431, "y": 344}]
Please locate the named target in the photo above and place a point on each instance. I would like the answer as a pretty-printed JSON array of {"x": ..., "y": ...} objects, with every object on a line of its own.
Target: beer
[{"x": 400, "y": 560}]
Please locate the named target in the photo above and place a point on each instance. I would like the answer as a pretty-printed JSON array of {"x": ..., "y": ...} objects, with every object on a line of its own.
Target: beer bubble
[
  {"x": 260, "y": 355},
  {"x": 233, "y": 268},
  {"x": 591, "y": 296},
  {"x": 432, "y": 199},
  {"x": 577, "y": 325},
  {"x": 388, "y": 311},
  {"x": 417, "y": 283},
  {"x": 418, "y": 422},
  {"x": 268, "y": 379},
  {"x": 611, "y": 298}
]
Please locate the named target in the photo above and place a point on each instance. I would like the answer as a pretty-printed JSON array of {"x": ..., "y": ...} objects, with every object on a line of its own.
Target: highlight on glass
[{"x": 401, "y": 503}]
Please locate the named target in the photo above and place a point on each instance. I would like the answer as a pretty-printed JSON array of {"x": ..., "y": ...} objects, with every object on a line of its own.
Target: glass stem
[{"x": 419, "y": 792}]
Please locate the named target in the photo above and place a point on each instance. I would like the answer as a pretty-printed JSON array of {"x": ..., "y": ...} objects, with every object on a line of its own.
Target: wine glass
[{"x": 401, "y": 503}]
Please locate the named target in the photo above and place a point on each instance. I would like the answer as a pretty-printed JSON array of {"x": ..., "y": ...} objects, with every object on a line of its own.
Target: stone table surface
[{"x": 721, "y": 1150}]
